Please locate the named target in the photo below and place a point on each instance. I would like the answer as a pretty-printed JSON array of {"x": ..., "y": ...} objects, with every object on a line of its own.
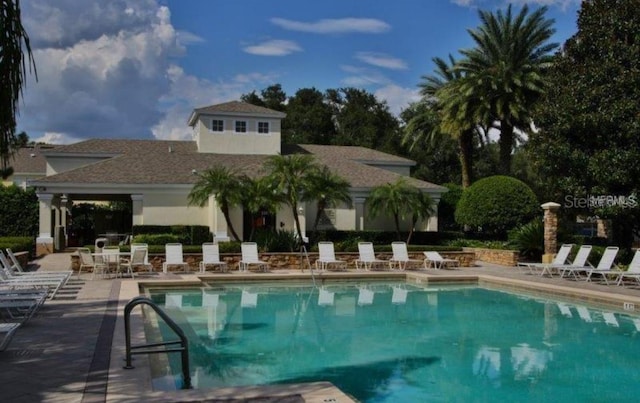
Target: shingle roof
[
  {"x": 235, "y": 107},
  {"x": 29, "y": 160},
  {"x": 149, "y": 162}
]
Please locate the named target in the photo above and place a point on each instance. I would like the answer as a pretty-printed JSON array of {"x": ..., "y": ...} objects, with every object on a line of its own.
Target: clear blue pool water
[{"x": 395, "y": 342}]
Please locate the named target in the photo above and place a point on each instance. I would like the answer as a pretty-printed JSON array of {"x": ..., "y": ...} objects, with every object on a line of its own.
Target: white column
[
  {"x": 302, "y": 219},
  {"x": 359, "y": 206},
  {"x": 137, "y": 209},
  {"x": 220, "y": 224},
  {"x": 44, "y": 241}
]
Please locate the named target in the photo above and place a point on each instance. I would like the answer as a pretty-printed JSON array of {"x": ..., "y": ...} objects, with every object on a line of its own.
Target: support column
[
  {"x": 60, "y": 235},
  {"x": 550, "y": 231},
  {"x": 220, "y": 223},
  {"x": 302, "y": 219},
  {"x": 44, "y": 241},
  {"x": 359, "y": 207},
  {"x": 136, "y": 210}
]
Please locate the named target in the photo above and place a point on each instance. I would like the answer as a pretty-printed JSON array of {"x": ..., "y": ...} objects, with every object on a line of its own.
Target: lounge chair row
[
  {"x": 581, "y": 268},
  {"x": 367, "y": 259},
  {"x": 23, "y": 293}
]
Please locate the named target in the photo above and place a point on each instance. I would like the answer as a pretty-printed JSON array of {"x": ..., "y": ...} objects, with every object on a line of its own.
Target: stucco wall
[
  {"x": 169, "y": 209},
  {"x": 230, "y": 142}
]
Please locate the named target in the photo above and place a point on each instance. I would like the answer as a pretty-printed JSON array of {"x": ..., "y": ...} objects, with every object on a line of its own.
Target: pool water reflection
[{"x": 392, "y": 342}]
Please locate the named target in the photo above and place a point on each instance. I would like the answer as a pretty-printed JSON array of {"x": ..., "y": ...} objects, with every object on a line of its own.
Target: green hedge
[
  {"x": 18, "y": 243},
  {"x": 185, "y": 234}
]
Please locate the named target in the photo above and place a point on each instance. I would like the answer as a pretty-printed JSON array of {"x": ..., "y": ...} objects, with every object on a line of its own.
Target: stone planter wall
[
  {"x": 496, "y": 256},
  {"x": 291, "y": 261}
]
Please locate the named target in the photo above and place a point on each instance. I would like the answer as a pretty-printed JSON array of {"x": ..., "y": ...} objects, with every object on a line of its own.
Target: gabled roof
[
  {"x": 158, "y": 162},
  {"x": 235, "y": 108},
  {"x": 30, "y": 159}
]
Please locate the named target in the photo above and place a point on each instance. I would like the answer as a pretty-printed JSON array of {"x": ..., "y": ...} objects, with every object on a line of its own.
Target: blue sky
[{"x": 136, "y": 68}]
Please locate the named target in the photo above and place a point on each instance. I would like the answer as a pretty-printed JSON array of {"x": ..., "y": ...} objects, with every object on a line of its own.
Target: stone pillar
[
  {"x": 44, "y": 241},
  {"x": 603, "y": 228},
  {"x": 550, "y": 231},
  {"x": 302, "y": 219}
]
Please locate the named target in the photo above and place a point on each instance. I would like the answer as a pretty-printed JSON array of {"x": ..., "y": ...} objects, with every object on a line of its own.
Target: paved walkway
[{"x": 62, "y": 354}]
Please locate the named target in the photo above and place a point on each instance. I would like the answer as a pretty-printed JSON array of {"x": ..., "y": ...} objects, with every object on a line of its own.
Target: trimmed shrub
[
  {"x": 18, "y": 211},
  {"x": 156, "y": 239},
  {"x": 186, "y": 234},
  {"x": 529, "y": 239},
  {"x": 18, "y": 243},
  {"x": 497, "y": 204}
]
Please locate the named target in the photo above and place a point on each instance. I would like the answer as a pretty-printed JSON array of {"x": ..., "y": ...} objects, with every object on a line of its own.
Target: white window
[
  {"x": 217, "y": 125},
  {"x": 241, "y": 126},
  {"x": 263, "y": 127}
]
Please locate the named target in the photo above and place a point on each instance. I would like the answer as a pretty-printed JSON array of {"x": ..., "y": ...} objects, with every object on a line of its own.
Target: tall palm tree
[
  {"x": 505, "y": 71},
  {"x": 327, "y": 189},
  {"x": 12, "y": 77},
  {"x": 439, "y": 94},
  {"x": 257, "y": 196},
  {"x": 397, "y": 198},
  {"x": 291, "y": 177},
  {"x": 225, "y": 186}
]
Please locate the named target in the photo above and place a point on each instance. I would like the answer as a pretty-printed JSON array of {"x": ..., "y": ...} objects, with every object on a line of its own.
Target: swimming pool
[{"x": 393, "y": 342}]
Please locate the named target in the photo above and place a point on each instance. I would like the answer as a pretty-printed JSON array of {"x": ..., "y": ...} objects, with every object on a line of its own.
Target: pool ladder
[{"x": 153, "y": 348}]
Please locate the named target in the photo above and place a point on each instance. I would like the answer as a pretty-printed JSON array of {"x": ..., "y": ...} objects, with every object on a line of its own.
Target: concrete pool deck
[{"x": 72, "y": 350}]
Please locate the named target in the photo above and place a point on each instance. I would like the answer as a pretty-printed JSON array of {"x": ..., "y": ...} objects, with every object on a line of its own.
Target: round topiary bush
[{"x": 497, "y": 204}]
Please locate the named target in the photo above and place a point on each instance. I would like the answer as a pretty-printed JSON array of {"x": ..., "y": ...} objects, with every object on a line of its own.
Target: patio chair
[
  {"x": 250, "y": 257},
  {"x": 111, "y": 259},
  {"x": 559, "y": 260},
  {"x": 137, "y": 259},
  {"x": 633, "y": 271},
  {"x": 401, "y": 257},
  {"x": 438, "y": 262},
  {"x": 173, "y": 257},
  {"x": 7, "y": 330},
  {"x": 134, "y": 246},
  {"x": 87, "y": 261},
  {"x": 52, "y": 285},
  {"x": 211, "y": 257},
  {"x": 606, "y": 265},
  {"x": 327, "y": 257},
  {"x": 579, "y": 264},
  {"x": 367, "y": 258}
]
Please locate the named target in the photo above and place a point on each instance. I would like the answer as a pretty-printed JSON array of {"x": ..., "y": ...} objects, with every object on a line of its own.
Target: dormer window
[
  {"x": 263, "y": 127},
  {"x": 241, "y": 126},
  {"x": 217, "y": 125}
]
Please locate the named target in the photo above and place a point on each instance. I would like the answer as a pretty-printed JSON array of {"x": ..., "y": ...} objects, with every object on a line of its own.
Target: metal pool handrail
[{"x": 153, "y": 347}]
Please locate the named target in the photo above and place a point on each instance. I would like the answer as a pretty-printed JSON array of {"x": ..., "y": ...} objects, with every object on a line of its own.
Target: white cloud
[
  {"x": 335, "y": 26},
  {"x": 55, "y": 138},
  {"x": 363, "y": 77},
  {"x": 381, "y": 60},
  {"x": 397, "y": 98},
  {"x": 275, "y": 47}
]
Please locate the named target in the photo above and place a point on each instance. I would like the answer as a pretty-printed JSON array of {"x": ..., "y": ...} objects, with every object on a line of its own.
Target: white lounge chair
[
  {"x": 559, "y": 260},
  {"x": 17, "y": 305},
  {"x": 606, "y": 265},
  {"x": 579, "y": 265},
  {"x": 19, "y": 269},
  {"x": 401, "y": 257},
  {"x": 565, "y": 310},
  {"x": 211, "y": 257},
  {"x": 250, "y": 257},
  {"x": 15, "y": 271},
  {"x": 52, "y": 285},
  {"x": 438, "y": 262},
  {"x": 173, "y": 257},
  {"x": 7, "y": 330},
  {"x": 367, "y": 258},
  {"x": 633, "y": 271},
  {"x": 327, "y": 257}
]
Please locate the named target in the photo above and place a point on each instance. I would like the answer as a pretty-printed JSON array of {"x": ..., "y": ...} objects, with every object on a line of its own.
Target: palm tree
[
  {"x": 422, "y": 207},
  {"x": 258, "y": 195},
  {"x": 327, "y": 189},
  {"x": 225, "y": 186},
  {"x": 397, "y": 198},
  {"x": 12, "y": 77},
  {"x": 291, "y": 176},
  {"x": 505, "y": 71},
  {"x": 440, "y": 96}
]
